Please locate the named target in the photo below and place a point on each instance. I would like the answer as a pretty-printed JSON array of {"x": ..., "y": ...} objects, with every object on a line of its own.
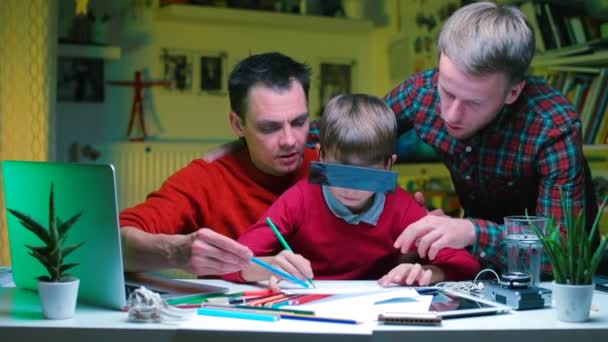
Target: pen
[
  {"x": 283, "y": 242},
  {"x": 238, "y": 314},
  {"x": 279, "y": 272}
]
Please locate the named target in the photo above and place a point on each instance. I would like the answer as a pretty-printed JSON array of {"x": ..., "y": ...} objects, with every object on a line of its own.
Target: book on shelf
[
  {"x": 587, "y": 90},
  {"x": 560, "y": 25}
]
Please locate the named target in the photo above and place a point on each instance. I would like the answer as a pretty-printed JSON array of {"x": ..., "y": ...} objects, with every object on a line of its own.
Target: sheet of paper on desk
[
  {"x": 335, "y": 287},
  {"x": 366, "y": 307}
]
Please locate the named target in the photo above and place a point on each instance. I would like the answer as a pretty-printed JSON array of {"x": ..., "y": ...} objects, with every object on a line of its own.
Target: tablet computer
[{"x": 451, "y": 304}]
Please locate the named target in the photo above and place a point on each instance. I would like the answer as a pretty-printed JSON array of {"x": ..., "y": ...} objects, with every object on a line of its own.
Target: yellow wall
[
  {"x": 26, "y": 92},
  {"x": 383, "y": 57}
]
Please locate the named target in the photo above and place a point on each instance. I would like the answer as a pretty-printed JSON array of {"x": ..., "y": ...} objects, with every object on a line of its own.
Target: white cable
[
  {"x": 468, "y": 287},
  {"x": 147, "y": 306}
]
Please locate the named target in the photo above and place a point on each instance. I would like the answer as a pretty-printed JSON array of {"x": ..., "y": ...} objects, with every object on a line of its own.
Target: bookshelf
[{"x": 573, "y": 57}]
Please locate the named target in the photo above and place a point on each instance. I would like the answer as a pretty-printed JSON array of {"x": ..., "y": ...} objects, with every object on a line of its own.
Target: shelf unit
[
  {"x": 243, "y": 17},
  {"x": 89, "y": 51},
  {"x": 594, "y": 59}
]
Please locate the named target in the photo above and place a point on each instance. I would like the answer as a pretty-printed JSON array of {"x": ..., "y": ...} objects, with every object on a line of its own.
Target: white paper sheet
[{"x": 366, "y": 306}]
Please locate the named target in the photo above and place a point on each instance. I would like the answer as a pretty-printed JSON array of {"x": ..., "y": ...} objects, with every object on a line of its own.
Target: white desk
[{"x": 21, "y": 320}]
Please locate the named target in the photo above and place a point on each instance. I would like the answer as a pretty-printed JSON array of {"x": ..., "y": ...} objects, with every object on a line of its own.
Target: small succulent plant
[
  {"x": 54, "y": 252},
  {"x": 571, "y": 253}
]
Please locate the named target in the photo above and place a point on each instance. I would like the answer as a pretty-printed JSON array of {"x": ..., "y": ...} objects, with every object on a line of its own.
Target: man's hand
[
  {"x": 407, "y": 274},
  {"x": 432, "y": 233},
  {"x": 222, "y": 150},
  {"x": 215, "y": 254}
]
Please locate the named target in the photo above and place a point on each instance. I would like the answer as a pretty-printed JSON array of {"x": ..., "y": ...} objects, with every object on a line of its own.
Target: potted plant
[
  {"x": 58, "y": 291},
  {"x": 573, "y": 260}
]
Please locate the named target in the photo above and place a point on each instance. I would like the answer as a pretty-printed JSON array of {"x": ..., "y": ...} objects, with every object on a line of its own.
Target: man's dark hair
[{"x": 273, "y": 70}]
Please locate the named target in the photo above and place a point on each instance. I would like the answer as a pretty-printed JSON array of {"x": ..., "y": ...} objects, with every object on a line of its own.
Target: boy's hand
[
  {"x": 407, "y": 274},
  {"x": 294, "y": 264}
]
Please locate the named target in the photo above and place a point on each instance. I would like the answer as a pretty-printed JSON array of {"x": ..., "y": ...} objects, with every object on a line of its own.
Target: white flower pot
[
  {"x": 572, "y": 302},
  {"x": 58, "y": 299}
]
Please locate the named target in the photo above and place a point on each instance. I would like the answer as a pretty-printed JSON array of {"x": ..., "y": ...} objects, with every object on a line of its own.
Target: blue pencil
[
  {"x": 277, "y": 232},
  {"x": 279, "y": 272},
  {"x": 238, "y": 314}
]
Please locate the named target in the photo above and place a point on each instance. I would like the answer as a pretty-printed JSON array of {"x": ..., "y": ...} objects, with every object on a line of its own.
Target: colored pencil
[
  {"x": 279, "y": 313},
  {"x": 258, "y": 309},
  {"x": 284, "y": 242},
  {"x": 238, "y": 314},
  {"x": 320, "y": 319},
  {"x": 309, "y": 298},
  {"x": 264, "y": 300},
  {"x": 279, "y": 272}
]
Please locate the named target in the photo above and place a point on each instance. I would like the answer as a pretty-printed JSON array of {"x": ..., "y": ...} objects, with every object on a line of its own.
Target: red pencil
[
  {"x": 261, "y": 301},
  {"x": 309, "y": 298}
]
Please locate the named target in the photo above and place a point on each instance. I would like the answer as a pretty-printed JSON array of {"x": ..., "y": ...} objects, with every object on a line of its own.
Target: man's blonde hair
[
  {"x": 485, "y": 38},
  {"x": 358, "y": 125}
]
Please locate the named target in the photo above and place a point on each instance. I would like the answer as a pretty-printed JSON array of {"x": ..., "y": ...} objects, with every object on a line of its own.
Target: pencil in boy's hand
[
  {"x": 285, "y": 244},
  {"x": 278, "y": 234},
  {"x": 280, "y": 272}
]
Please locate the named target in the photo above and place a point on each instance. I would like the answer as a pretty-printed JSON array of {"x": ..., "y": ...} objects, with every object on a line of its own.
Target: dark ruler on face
[{"x": 353, "y": 177}]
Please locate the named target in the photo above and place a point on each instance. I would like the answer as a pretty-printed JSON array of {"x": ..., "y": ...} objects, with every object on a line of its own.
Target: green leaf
[
  {"x": 52, "y": 227},
  {"x": 66, "y": 267},
  {"x": 33, "y": 226},
  {"x": 65, "y": 226},
  {"x": 68, "y": 250}
]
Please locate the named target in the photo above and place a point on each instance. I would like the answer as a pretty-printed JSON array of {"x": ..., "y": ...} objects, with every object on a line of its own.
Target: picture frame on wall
[
  {"x": 177, "y": 69},
  {"x": 212, "y": 71},
  {"x": 335, "y": 79},
  {"x": 80, "y": 79}
]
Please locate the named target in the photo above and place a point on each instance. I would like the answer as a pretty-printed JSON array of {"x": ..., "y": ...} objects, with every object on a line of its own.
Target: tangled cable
[
  {"x": 147, "y": 306},
  {"x": 474, "y": 287}
]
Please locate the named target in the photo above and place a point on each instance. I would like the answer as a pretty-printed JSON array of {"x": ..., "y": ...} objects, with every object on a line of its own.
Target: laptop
[{"x": 90, "y": 189}]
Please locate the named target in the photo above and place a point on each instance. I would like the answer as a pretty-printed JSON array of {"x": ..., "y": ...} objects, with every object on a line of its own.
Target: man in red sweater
[
  {"x": 348, "y": 234},
  {"x": 189, "y": 223}
]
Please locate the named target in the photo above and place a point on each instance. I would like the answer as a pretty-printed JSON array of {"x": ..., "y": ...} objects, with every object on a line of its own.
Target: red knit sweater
[
  {"x": 227, "y": 195},
  {"x": 339, "y": 250}
]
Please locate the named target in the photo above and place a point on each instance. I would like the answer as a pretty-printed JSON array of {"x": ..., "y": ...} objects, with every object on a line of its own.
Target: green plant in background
[
  {"x": 571, "y": 254},
  {"x": 52, "y": 255}
]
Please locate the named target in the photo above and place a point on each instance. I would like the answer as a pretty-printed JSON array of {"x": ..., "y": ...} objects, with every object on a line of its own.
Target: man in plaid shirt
[{"x": 510, "y": 141}]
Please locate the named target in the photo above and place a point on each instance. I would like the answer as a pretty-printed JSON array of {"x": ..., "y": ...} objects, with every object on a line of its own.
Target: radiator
[{"x": 142, "y": 167}]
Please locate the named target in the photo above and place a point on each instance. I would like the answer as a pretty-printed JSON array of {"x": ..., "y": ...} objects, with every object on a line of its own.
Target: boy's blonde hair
[
  {"x": 485, "y": 38},
  {"x": 358, "y": 125}
]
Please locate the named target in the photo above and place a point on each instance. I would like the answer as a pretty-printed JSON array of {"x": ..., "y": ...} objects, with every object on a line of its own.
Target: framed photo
[
  {"x": 177, "y": 68},
  {"x": 80, "y": 80},
  {"x": 336, "y": 78},
  {"x": 212, "y": 73}
]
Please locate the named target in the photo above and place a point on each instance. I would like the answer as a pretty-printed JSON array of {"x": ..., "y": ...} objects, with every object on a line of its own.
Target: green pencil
[{"x": 284, "y": 243}]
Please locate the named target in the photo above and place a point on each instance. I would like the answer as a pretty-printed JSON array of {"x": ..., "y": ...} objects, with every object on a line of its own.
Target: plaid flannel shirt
[{"x": 518, "y": 162}]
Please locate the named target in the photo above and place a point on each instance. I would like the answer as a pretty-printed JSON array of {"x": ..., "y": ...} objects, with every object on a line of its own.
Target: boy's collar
[{"x": 370, "y": 216}]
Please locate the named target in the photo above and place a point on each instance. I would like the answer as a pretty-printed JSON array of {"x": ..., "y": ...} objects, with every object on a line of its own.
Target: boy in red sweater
[{"x": 346, "y": 234}]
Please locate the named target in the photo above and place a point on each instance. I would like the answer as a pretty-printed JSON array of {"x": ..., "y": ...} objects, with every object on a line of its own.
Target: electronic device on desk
[
  {"x": 408, "y": 318},
  {"x": 514, "y": 289},
  {"x": 90, "y": 188}
]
